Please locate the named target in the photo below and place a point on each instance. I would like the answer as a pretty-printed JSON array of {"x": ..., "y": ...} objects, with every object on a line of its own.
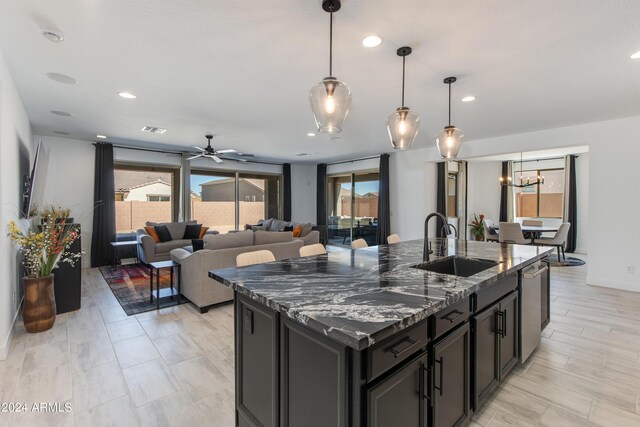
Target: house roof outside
[
  {"x": 258, "y": 183},
  {"x": 126, "y": 180}
]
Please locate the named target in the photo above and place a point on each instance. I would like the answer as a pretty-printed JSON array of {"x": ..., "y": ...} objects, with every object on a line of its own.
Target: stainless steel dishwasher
[{"x": 530, "y": 308}]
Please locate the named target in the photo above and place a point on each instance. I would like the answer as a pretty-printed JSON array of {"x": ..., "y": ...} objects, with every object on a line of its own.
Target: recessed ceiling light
[
  {"x": 52, "y": 34},
  {"x": 469, "y": 98},
  {"x": 101, "y": 136},
  {"x": 311, "y": 134},
  {"x": 61, "y": 113},
  {"x": 62, "y": 78},
  {"x": 127, "y": 95},
  {"x": 371, "y": 41},
  {"x": 635, "y": 55},
  {"x": 59, "y": 132}
]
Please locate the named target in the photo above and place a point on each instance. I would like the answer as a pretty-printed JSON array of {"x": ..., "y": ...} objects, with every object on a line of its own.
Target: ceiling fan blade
[
  {"x": 194, "y": 157},
  {"x": 227, "y": 151},
  {"x": 216, "y": 159},
  {"x": 198, "y": 148}
]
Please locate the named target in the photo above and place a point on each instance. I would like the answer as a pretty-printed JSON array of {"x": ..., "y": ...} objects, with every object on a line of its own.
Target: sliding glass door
[
  {"x": 226, "y": 201},
  {"x": 352, "y": 207}
]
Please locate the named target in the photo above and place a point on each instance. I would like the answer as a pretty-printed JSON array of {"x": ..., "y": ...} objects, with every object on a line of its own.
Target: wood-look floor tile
[
  {"x": 149, "y": 381},
  {"x": 97, "y": 385},
  {"x": 120, "y": 412},
  {"x": 135, "y": 350}
]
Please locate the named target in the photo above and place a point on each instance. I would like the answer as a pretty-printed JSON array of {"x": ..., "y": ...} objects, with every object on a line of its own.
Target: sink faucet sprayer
[{"x": 447, "y": 228}]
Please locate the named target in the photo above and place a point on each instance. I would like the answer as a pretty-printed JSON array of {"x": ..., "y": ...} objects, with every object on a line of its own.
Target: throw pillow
[
  {"x": 203, "y": 231},
  {"x": 197, "y": 244},
  {"x": 306, "y": 229},
  {"x": 288, "y": 228},
  {"x": 151, "y": 231},
  {"x": 297, "y": 231},
  {"x": 163, "y": 233},
  {"x": 192, "y": 231}
]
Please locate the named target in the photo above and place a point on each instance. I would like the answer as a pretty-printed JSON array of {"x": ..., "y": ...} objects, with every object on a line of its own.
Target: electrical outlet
[
  {"x": 629, "y": 268},
  {"x": 14, "y": 298}
]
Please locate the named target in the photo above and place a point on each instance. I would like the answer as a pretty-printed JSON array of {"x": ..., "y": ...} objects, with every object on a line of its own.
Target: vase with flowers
[
  {"x": 42, "y": 251},
  {"x": 477, "y": 226}
]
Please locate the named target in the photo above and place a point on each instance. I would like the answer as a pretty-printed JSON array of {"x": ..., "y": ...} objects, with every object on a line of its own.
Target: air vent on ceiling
[
  {"x": 152, "y": 129},
  {"x": 303, "y": 154}
]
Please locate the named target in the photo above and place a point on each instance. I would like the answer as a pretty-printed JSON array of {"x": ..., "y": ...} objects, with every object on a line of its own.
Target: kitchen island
[{"x": 364, "y": 338}]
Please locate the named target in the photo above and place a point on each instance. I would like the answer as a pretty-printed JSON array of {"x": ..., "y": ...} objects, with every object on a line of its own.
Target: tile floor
[{"x": 175, "y": 367}]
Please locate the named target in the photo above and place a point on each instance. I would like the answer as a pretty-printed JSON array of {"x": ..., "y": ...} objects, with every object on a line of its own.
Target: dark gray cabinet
[
  {"x": 313, "y": 378},
  {"x": 257, "y": 355},
  {"x": 451, "y": 378},
  {"x": 545, "y": 301},
  {"x": 400, "y": 399},
  {"x": 495, "y": 346}
]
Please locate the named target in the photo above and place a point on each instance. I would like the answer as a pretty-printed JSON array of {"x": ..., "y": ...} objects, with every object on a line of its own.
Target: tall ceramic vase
[{"x": 39, "y": 311}]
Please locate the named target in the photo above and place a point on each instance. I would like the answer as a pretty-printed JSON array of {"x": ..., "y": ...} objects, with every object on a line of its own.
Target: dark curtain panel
[
  {"x": 104, "y": 214},
  {"x": 384, "y": 207},
  {"x": 286, "y": 197},
  {"x": 321, "y": 189},
  {"x": 441, "y": 197},
  {"x": 503, "y": 194},
  {"x": 572, "y": 213}
]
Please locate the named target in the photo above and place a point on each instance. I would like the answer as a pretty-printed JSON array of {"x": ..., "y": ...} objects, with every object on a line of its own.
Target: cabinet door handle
[
  {"x": 423, "y": 391},
  {"x": 499, "y": 323},
  {"x": 504, "y": 323},
  {"x": 451, "y": 318},
  {"x": 397, "y": 353},
  {"x": 440, "y": 361}
]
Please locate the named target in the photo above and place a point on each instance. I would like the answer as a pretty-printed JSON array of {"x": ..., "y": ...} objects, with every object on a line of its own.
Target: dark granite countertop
[{"x": 358, "y": 297}]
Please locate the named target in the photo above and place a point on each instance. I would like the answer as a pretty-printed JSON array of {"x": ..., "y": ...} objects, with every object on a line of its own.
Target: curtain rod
[
  {"x": 542, "y": 160},
  {"x": 354, "y": 160},
  {"x": 180, "y": 153}
]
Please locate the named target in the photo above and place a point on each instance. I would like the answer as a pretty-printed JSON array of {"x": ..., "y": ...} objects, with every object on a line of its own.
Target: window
[
  {"x": 540, "y": 201},
  {"x": 452, "y": 195},
  {"x": 226, "y": 201},
  {"x": 353, "y": 207},
  {"x": 143, "y": 194}
]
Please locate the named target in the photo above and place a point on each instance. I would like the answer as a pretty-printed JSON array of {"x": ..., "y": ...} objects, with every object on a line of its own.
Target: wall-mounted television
[{"x": 33, "y": 184}]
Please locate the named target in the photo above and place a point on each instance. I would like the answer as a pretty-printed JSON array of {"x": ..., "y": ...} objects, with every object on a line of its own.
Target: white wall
[
  {"x": 16, "y": 151},
  {"x": 582, "y": 187},
  {"x": 483, "y": 191},
  {"x": 140, "y": 194},
  {"x": 303, "y": 193}
]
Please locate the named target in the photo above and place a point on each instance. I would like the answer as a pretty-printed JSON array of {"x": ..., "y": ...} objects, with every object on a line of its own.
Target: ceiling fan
[{"x": 216, "y": 155}]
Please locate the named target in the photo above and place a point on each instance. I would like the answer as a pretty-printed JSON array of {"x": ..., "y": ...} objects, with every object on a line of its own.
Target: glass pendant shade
[
  {"x": 449, "y": 141},
  {"x": 330, "y": 101},
  {"x": 402, "y": 126}
]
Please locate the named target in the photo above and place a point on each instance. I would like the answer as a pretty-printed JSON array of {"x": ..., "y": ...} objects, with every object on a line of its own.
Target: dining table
[{"x": 534, "y": 231}]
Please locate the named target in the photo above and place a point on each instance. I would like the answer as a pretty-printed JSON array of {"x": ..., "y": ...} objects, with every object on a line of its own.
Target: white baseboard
[
  {"x": 4, "y": 350},
  {"x": 614, "y": 284}
]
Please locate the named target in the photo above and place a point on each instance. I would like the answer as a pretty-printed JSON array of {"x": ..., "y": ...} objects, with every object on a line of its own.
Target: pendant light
[
  {"x": 330, "y": 99},
  {"x": 449, "y": 139},
  {"x": 403, "y": 123}
]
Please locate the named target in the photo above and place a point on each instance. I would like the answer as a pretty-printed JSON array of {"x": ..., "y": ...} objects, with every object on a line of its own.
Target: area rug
[
  {"x": 569, "y": 262},
  {"x": 130, "y": 285}
]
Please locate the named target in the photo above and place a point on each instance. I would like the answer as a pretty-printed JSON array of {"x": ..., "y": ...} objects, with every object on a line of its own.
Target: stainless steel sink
[{"x": 457, "y": 266}]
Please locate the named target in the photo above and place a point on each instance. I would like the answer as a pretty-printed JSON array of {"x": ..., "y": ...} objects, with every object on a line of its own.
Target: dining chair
[
  {"x": 559, "y": 240},
  {"x": 312, "y": 250},
  {"x": 255, "y": 257},
  {"x": 393, "y": 238},
  {"x": 490, "y": 234},
  {"x": 511, "y": 232},
  {"x": 359, "y": 244},
  {"x": 532, "y": 222}
]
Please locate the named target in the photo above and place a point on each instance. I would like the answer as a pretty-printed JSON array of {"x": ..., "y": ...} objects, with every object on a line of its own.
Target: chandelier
[{"x": 522, "y": 181}]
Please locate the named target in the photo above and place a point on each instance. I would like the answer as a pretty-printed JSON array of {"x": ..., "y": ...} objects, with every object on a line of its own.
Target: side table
[
  {"x": 164, "y": 293},
  {"x": 124, "y": 244}
]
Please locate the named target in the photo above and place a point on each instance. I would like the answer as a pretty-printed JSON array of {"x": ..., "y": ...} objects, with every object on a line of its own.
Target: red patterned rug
[{"x": 130, "y": 285}]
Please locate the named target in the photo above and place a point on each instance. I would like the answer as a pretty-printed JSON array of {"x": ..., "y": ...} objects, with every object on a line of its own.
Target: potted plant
[
  {"x": 477, "y": 227},
  {"x": 42, "y": 251}
]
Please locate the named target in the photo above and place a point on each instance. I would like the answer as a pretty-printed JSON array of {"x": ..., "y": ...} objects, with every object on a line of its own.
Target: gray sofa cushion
[
  {"x": 278, "y": 225},
  {"x": 166, "y": 247},
  {"x": 230, "y": 240},
  {"x": 269, "y": 237},
  {"x": 266, "y": 223},
  {"x": 175, "y": 228},
  {"x": 306, "y": 229}
]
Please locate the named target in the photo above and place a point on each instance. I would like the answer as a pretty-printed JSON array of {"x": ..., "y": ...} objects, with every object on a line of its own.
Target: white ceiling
[{"x": 242, "y": 69}]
